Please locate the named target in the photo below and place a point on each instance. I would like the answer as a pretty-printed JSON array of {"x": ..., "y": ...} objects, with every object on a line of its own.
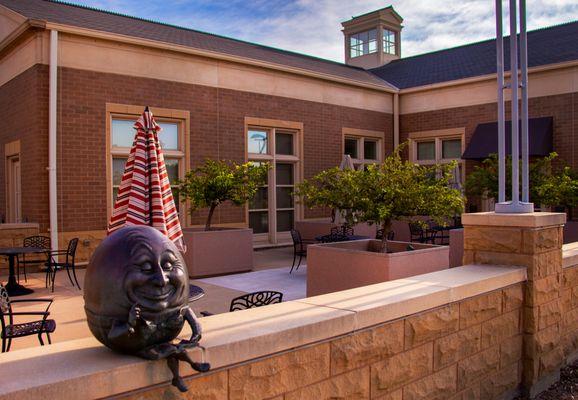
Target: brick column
[{"x": 534, "y": 241}]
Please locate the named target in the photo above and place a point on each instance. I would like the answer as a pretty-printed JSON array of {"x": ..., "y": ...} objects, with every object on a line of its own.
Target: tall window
[
  {"x": 363, "y": 150},
  {"x": 363, "y": 43},
  {"x": 388, "y": 41},
  {"x": 272, "y": 211},
  {"x": 172, "y": 143}
]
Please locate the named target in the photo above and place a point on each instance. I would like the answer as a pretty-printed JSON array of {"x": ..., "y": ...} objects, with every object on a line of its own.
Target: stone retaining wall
[{"x": 465, "y": 350}]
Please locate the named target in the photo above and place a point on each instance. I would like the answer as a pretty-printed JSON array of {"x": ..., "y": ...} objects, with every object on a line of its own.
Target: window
[
  {"x": 172, "y": 142},
  {"x": 439, "y": 150},
  {"x": 363, "y": 43},
  {"x": 272, "y": 211},
  {"x": 362, "y": 150},
  {"x": 388, "y": 41}
]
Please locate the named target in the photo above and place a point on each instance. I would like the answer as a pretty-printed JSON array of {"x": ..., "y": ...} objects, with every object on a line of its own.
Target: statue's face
[{"x": 156, "y": 278}]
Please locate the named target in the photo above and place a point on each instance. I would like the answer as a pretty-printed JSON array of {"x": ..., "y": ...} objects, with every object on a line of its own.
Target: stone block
[
  {"x": 549, "y": 313},
  {"x": 437, "y": 386},
  {"x": 566, "y": 299},
  {"x": 496, "y": 330},
  {"x": 570, "y": 277},
  {"x": 430, "y": 325},
  {"x": 366, "y": 347},
  {"x": 459, "y": 345},
  {"x": 396, "y": 395},
  {"x": 539, "y": 240},
  {"x": 544, "y": 264},
  {"x": 279, "y": 374},
  {"x": 551, "y": 362},
  {"x": 570, "y": 320},
  {"x": 468, "y": 257},
  {"x": 400, "y": 369},
  {"x": 201, "y": 387},
  {"x": 473, "y": 368},
  {"x": 574, "y": 297},
  {"x": 471, "y": 393},
  {"x": 351, "y": 385},
  {"x": 497, "y": 258},
  {"x": 480, "y": 308},
  {"x": 511, "y": 350},
  {"x": 501, "y": 382},
  {"x": 569, "y": 344},
  {"x": 499, "y": 239},
  {"x": 542, "y": 341},
  {"x": 513, "y": 297},
  {"x": 542, "y": 290}
]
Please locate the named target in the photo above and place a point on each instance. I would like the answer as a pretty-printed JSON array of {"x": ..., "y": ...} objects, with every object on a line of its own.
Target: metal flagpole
[
  {"x": 524, "y": 111},
  {"x": 501, "y": 113},
  {"x": 515, "y": 205}
]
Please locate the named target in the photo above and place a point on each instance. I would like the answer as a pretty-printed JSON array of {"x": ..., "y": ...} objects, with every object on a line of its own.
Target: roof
[
  {"x": 545, "y": 46},
  {"x": 90, "y": 18}
]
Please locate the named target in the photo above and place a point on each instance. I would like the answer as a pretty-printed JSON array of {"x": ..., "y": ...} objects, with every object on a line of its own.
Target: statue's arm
[{"x": 192, "y": 320}]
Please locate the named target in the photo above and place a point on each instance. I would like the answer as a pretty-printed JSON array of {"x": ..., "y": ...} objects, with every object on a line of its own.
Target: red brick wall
[
  {"x": 24, "y": 116},
  {"x": 217, "y": 131},
  {"x": 563, "y": 108}
]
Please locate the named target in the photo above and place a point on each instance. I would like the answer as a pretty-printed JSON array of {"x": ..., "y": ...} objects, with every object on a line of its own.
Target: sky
[{"x": 313, "y": 27}]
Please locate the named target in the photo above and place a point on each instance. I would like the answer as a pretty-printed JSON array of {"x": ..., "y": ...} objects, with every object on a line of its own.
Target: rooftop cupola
[{"x": 373, "y": 39}]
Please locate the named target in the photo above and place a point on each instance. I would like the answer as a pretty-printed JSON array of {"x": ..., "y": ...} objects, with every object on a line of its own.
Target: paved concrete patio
[{"x": 271, "y": 272}]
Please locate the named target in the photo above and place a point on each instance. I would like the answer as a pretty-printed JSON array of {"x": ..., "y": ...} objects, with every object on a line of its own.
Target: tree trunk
[
  {"x": 210, "y": 217},
  {"x": 386, "y": 226}
]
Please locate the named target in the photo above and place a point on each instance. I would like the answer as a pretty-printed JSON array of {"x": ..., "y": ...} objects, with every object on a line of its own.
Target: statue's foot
[
  {"x": 201, "y": 367},
  {"x": 180, "y": 384}
]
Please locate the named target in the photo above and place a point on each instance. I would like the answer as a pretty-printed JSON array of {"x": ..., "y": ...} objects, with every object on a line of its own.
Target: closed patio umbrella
[{"x": 144, "y": 195}]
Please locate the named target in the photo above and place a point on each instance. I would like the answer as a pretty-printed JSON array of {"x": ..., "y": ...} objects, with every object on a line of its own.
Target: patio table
[
  {"x": 195, "y": 293},
  {"x": 13, "y": 287}
]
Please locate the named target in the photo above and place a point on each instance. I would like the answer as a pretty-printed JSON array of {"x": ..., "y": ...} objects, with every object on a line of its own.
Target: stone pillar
[{"x": 534, "y": 241}]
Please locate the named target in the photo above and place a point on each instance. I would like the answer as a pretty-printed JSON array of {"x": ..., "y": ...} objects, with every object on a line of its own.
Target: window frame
[
  {"x": 361, "y": 136},
  {"x": 388, "y": 44},
  {"x": 360, "y": 45},
  {"x": 438, "y": 136},
  {"x": 272, "y": 127},
  {"x": 131, "y": 113}
]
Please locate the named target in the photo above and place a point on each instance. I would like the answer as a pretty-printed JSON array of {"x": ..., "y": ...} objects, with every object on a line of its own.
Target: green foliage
[
  {"x": 218, "y": 181},
  {"x": 396, "y": 189},
  {"x": 548, "y": 186}
]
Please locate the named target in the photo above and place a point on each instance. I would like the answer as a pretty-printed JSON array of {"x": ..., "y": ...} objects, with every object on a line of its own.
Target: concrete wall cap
[
  {"x": 529, "y": 220},
  {"x": 85, "y": 369}
]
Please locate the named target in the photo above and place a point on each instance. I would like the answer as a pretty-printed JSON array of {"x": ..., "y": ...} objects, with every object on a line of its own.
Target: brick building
[{"x": 222, "y": 98}]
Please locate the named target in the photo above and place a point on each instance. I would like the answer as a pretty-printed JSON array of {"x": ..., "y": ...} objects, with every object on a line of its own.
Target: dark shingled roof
[
  {"x": 90, "y": 18},
  {"x": 545, "y": 46}
]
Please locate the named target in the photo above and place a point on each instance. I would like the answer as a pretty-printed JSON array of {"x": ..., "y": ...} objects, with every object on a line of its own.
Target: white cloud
[{"x": 314, "y": 26}]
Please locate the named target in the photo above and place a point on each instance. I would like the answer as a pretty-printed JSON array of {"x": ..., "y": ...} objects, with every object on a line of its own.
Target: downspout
[
  {"x": 395, "y": 120},
  {"x": 52, "y": 142}
]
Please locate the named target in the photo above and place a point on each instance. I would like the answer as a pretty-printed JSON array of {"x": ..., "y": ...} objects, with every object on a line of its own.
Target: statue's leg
[
  {"x": 177, "y": 381},
  {"x": 200, "y": 367}
]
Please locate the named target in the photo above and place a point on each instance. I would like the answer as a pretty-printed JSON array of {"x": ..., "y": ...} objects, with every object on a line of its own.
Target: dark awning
[{"x": 485, "y": 139}]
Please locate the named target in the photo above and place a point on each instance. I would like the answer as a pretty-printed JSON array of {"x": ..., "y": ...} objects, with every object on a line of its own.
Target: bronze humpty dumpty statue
[{"x": 136, "y": 298}]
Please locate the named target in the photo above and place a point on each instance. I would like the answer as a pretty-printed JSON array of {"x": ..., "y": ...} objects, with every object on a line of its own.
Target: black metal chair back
[
  {"x": 71, "y": 250},
  {"x": 40, "y": 242},
  {"x": 296, "y": 236},
  {"x": 256, "y": 299},
  {"x": 379, "y": 235}
]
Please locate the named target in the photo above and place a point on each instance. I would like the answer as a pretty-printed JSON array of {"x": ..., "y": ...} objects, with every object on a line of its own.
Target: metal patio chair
[
  {"x": 38, "y": 241},
  {"x": 68, "y": 263},
  {"x": 11, "y": 330},
  {"x": 299, "y": 248},
  {"x": 252, "y": 300}
]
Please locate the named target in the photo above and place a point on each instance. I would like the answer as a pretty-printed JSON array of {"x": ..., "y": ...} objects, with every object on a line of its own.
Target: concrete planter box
[
  {"x": 218, "y": 252},
  {"x": 339, "y": 266}
]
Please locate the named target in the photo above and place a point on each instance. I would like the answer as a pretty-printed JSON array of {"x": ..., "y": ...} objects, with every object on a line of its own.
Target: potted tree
[
  {"x": 394, "y": 190},
  {"x": 214, "y": 251}
]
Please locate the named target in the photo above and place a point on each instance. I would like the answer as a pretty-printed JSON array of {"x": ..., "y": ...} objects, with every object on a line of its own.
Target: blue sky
[{"x": 314, "y": 26}]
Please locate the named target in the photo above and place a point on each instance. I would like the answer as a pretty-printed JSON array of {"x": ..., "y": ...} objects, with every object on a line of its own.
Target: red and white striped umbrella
[{"x": 144, "y": 196}]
